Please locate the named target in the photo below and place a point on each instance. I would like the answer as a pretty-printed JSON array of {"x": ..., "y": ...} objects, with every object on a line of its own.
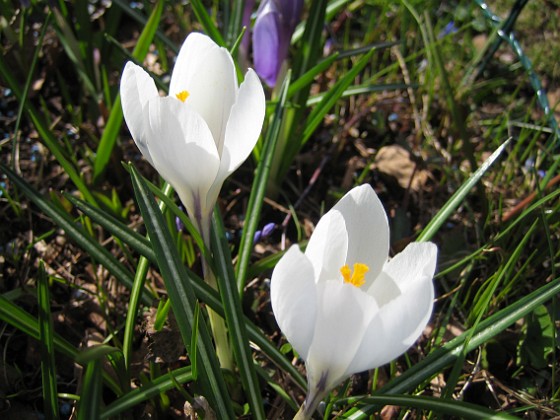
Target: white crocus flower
[
  {"x": 204, "y": 130},
  {"x": 343, "y": 305}
]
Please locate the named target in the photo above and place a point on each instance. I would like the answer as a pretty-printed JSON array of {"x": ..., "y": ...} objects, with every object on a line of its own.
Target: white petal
[
  {"x": 206, "y": 71},
  {"x": 137, "y": 88},
  {"x": 327, "y": 246},
  {"x": 343, "y": 315},
  {"x": 243, "y": 129},
  {"x": 293, "y": 298},
  {"x": 401, "y": 320},
  {"x": 184, "y": 152},
  {"x": 245, "y": 123},
  {"x": 417, "y": 260},
  {"x": 368, "y": 229}
]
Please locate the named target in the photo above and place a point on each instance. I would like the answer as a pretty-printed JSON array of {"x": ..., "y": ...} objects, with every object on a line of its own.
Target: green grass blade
[
  {"x": 311, "y": 48},
  {"x": 76, "y": 232},
  {"x": 46, "y": 338},
  {"x": 90, "y": 354},
  {"x": 446, "y": 355},
  {"x": 118, "y": 229},
  {"x": 133, "y": 305},
  {"x": 143, "y": 20},
  {"x": 455, "y": 201},
  {"x": 332, "y": 9},
  {"x": 540, "y": 93},
  {"x": 258, "y": 189},
  {"x": 154, "y": 388},
  {"x": 72, "y": 48},
  {"x": 455, "y": 409},
  {"x": 529, "y": 210},
  {"x": 114, "y": 123},
  {"x": 137, "y": 242},
  {"x": 481, "y": 304},
  {"x": 90, "y": 397},
  {"x": 329, "y": 99},
  {"x": 207, "y": 23},
  {"x": 26, "y": 87},
  {"x": 361, "y": 90},
  {"x": 183, "y": 298},
  {"x": 12, "y": 314},
  {"x": 114, "y": 356},
  {"x": 165, "y": 197},
  {"x": 136, "y": 293},
  {"x": 46, "y": 134},
  {"x": 235, "y": 21},
  {"x": 334, "y": 94},
  {"x": 457, "y": 113},
  {"x": 234, "y": 317},
  {"x": 308, "y": 77},
  {"x": 211, "y": 298}
]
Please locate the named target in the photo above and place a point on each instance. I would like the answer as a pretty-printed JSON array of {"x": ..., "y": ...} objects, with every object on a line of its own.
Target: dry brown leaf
[{"x": 395, "y": 161}]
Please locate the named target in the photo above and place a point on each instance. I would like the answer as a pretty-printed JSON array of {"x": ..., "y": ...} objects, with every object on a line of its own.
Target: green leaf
[
  {"x": 360, "y": 90},
  {"x": 29, "y": 79},
  {"x": 311, "y": 46},
  {"x": 446, "y": 355},
  {"x": 318, "y": 113},
  {"x": 46, "y": 338},
  {"x": 455, "y": 409},
  {"x": 537, "y": 343},
  {"x": 93, "y": 353},
  {"x": 152, "y": 389},
  {"x": 308, "y": 77},
  {"x": 114, "y": 123},
  {"x": 118, "y": 229},
  {"x": 210, "y": 297},
  {"x": 235, "y": 21},
  {"x": 75, "y": 232},
  {"x": 46, "y": 134},
  {"x": 207, "y": 23},
  {"x": 234, "y": 317},
  {"x": 23, "y": 321},
  {"x": 333, "y": 95},
  {"x": 89, "y": 406},
  {"x": 72, "y": 48},
  {"x": 457, "y": 199},
  {"x": 258, "y": 189},
  {"x": 183, "y": 298}
]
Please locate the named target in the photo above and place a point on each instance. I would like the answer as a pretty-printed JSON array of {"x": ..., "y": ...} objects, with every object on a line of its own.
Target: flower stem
[
  {"x": 219, "y": 329},
  {"x": 310, "y": 404},
  {"x": 217, "y": 323}
]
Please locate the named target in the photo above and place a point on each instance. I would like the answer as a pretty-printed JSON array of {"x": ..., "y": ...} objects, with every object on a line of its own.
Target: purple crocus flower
[{"x": 275, "y": 23}]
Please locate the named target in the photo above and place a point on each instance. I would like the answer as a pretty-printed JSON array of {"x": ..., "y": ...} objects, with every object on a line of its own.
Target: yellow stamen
[
  {"x": 183, "y": 95},
  {"x": 358, "y": 277}
]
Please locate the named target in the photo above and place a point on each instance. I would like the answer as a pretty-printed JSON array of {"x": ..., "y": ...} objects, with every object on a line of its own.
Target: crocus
[
  {"x": 274, "y": 26},
  {"x": 343, "y": 305},
  {"x": 199, "y": 134}
]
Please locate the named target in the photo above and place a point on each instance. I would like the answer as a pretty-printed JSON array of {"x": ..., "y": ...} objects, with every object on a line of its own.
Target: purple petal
[
  {"x": 267, "y": 229},
  {"x": 266, "y": 47},
  {"x": 290, "y": 10}
]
